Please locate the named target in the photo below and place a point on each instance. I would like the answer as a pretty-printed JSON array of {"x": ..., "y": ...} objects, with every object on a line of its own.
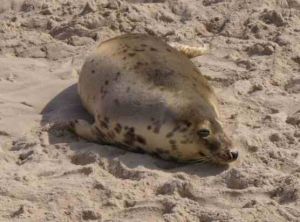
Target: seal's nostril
[{"x": 234, "y": 155}]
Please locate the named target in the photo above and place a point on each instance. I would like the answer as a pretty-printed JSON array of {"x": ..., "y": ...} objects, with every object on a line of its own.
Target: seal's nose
[{"x": 234, "y": 155}]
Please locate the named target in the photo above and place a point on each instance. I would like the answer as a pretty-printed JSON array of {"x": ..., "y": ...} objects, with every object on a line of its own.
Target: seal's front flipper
[
  {"x": 80, "y": 127},
  {"x": 85, "y": 130},
  {"x": 190, "y": 51}
]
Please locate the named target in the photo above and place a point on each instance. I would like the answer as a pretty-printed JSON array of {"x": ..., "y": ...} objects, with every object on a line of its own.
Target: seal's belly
[{"x": 144, "y": 132}]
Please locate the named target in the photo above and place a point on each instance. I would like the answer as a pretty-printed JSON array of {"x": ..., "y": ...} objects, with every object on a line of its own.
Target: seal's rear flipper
[
  {"x": 81, "y": 128},
  {"x": 190, "y": 51},
  {"x": 85, "y": 130}
]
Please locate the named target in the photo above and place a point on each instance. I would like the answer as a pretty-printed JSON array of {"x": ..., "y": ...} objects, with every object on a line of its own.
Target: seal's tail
[{"x": 190, "y": 51}]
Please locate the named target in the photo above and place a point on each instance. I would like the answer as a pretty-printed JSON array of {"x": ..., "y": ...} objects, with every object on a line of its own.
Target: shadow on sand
[{"x": 66, "y": 106}]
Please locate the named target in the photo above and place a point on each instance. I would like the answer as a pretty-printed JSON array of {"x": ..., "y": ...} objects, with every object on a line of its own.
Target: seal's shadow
[{"x": 66, "y": 106}]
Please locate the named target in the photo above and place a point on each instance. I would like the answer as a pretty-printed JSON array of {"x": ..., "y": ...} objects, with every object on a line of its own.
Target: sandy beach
[{"x": 253, "y": 65}]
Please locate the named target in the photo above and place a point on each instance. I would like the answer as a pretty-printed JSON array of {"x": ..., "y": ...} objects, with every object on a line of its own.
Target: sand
[{"x": 253, "y": 64}]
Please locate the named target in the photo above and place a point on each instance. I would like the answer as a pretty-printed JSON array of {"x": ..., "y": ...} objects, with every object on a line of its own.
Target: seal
[{"x": 147, "y": 96}]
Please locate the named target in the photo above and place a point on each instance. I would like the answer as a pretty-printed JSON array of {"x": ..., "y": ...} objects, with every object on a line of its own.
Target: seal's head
[{"x": 214, "y": 143}]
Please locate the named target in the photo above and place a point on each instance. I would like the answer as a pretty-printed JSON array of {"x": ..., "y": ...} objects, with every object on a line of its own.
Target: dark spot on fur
[
  {"x": 131, "y": 129},
  {"x": 72, "y": 124},
  {"x": 118, "y": 128},
  {"x": 106, "y": 119},
  {"x": 187, "y": 123},
  {"x": 116, "y": 101},
  {"x": 129, "y": 137},
  {"x": 140, "y": 139},
  {"x": 169, "y": 50},
  {"x": 180, "y": 127},
  {"x": 201, "y": 154},
  {"x": 103, "y": 124},
  {"x": 117, "y": 76},
  {"x": 143, "y": 45},
  {"x": 93, "y": 60},
  {"x": 124, "y": 50},
  {"x": 153, "y": 49},
  {"x": 174, "y": 147},
  {"x": 103, "y": 91},
  {"x": 156, "y": 124},
  {"x": 106, "y": 82},
  {"x": 131, "y": 54},
  {"x": 172, "y": 142},
  {"x": 137, "y": 65},
  {"x": 124, "y": 58},
  {"x": 128, "y": 89},
  {"x": 170, "y": 134},
  {"x": 126, "y": 127},
  {"x": 149, "y": 127},
  {"x": 160, "y": 77},
  {"x": 213, "y": 145},
  {"x": 93, "y": 71},
  {"x": 156, "y": 129}
]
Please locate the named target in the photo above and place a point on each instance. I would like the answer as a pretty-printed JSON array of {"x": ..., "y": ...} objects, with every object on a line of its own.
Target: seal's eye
[{"x": 203, "y": 133}]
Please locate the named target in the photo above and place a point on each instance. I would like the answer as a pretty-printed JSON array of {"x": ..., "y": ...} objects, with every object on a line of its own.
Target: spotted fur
[{"x": 147, "y": 96}]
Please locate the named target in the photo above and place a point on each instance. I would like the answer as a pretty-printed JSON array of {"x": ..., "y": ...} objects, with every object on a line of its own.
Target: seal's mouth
[{"x": 226, "y": 157}]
